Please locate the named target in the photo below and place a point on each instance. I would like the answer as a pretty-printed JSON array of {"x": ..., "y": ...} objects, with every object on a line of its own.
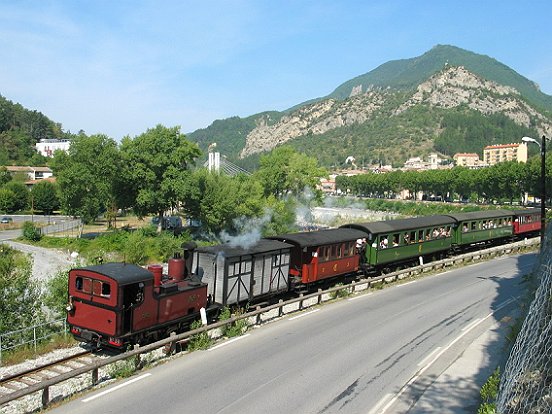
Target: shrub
[
  {"x": 341, "y": 293},
  {"x": 31, "y": 232},
  {"x": 199, "y": 341},
  {"x": 236, "y": 328},
  {"x": 122, "y": 369},
  {"x": 489, "y": 392}
]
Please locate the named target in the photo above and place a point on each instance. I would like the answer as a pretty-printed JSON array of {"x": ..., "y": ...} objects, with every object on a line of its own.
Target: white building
[{"x": 47, "y": 147}]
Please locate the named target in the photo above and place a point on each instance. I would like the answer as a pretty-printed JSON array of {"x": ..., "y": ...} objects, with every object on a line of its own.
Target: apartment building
[{"x": 493, "y": 154}]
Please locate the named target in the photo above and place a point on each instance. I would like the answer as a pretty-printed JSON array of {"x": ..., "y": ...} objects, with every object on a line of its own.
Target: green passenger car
[
  {"x": 482, "y": 226},
  {"x": 405, "y": 240}
]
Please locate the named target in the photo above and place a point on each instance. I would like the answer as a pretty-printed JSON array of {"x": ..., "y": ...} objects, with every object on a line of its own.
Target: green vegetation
[
  {"x": 236, "y": 328},
  {"x": 21, "y": 304},
  {"x": 199, "y": 341},
  {"x": 503, "y": 182},
  {"x": 341, "y": 293},
  {"x": 140, "y": 246},
  {"x": 489, "y": 393},
  {"x": 20, "y": 129},
  {"x": 122, "y": 369},
  {"x": 31, "y": 232},
  {"x": 471, "y": 131}
]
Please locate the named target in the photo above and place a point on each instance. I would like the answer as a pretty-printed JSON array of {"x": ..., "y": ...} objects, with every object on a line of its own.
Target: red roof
[{"x": 502, "y": 146}]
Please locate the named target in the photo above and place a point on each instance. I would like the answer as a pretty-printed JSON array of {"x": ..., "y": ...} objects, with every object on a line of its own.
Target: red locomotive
[{"x": 116, "y": 304}]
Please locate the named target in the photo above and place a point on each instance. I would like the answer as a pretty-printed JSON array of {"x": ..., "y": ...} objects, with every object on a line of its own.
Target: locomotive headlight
[{"x": 70, "y": 306}]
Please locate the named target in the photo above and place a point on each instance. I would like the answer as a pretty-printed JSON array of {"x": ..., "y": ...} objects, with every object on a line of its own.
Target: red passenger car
[
  {"x": 116, "y": 304},
  {"x": 323, "y": 254},
  {"x": 527, "y": 222}
]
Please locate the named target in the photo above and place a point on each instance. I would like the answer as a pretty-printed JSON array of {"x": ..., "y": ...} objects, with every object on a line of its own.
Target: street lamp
[{"x": 542, "y": 146}]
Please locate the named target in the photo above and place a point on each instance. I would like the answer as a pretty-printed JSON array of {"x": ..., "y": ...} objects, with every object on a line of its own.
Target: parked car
[{"x": 6, "y": 220}]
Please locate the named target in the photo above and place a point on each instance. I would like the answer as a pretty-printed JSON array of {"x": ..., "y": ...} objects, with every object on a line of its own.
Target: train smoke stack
[{"x": 188, "y": 252}]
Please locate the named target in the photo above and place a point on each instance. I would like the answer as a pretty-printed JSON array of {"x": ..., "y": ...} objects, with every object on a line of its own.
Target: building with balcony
[{"x": 493, "y": 154}]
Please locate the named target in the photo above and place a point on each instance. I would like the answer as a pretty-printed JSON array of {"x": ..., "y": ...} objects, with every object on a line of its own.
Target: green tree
[
  {"x": 45, "y": 197},
  {"x": 5, "y": 176},
  {"x": 156, "y": 168},
  {"x": 88, "y": 176},
  {"x": 21, "y": 201},
  {"x": 7, "y": 200},
  {"x": 222, "y": 202},
  {"x": 284, "y": 171},
  {"x": 56, "y": 293}
]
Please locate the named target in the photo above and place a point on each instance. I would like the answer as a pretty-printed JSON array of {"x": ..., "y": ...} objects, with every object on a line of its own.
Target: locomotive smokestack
[{"x": 188, "y": 254}]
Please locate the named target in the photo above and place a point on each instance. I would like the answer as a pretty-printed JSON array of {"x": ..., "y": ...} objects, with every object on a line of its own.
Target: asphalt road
[{"x": 352, "y": 356}]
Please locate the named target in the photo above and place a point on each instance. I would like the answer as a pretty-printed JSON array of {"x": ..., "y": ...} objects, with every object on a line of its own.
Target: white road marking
[
  {"x": 423, "y": 361},
  {"x": 303, "y": 314},
  {"x": 407, "y": 283},
  {"x": 381, "y": 402},
  {"x": 101, "y": 394},
  {"x": 468, "y": 327},
  {"x": 466, "y": 330},
  {"x": 228, "y": 342}
]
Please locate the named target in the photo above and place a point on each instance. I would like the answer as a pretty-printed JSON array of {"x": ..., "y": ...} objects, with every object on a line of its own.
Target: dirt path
[{"x": 46, "y": 262}]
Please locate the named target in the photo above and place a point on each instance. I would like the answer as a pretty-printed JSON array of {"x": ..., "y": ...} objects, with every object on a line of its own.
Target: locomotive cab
[{"x": 102, "y": 300}]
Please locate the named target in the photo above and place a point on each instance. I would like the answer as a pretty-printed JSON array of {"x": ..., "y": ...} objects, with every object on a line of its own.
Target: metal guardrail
[
  {"x": 313, "y": 299},
  {"x": 31, "y": 335}
]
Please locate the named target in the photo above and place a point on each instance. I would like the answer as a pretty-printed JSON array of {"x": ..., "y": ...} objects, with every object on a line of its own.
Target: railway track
[{"x": 14, "y": 382}]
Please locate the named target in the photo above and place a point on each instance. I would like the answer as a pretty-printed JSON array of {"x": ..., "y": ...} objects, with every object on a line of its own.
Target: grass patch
[
  {"x": 122, "y": 369},
  {"x": 22, "y": 354}
]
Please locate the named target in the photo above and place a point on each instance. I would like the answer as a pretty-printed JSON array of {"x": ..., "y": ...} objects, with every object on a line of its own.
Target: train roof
[
  {"x": 485, "y": 214},
  {"x": 526, "y": 211},
  {"x": 261, "y": 246},
  {"x": 122, "y": 273},
  {"x": 379, "y": 227},
  {"x": 321, "y": 237}
]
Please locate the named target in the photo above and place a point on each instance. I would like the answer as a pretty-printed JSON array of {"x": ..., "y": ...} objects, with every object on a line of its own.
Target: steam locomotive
[{"x": 117, "y": 304}]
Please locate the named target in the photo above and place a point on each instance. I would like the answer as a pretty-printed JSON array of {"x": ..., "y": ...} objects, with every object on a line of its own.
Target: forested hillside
[{"x": 20, "y": 129}]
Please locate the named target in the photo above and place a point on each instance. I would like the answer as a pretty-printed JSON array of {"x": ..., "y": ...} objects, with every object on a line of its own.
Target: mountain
[{"x": 447, "y": 100}]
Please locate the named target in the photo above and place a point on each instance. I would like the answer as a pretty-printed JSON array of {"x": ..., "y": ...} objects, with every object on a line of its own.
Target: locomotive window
[
  {"x": 78, "y": 283},
  {"x": 86, "y": 285},
  {"x": 106, "y": 290},
  {"x": 96, "y": 288}
]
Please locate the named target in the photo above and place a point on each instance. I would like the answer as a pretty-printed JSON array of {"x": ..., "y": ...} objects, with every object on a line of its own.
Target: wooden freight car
[{"x": 244, "y": 274}]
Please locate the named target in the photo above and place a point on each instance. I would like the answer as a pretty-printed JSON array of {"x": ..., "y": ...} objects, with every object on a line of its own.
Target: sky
[{"x": 121, "y": 67}]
